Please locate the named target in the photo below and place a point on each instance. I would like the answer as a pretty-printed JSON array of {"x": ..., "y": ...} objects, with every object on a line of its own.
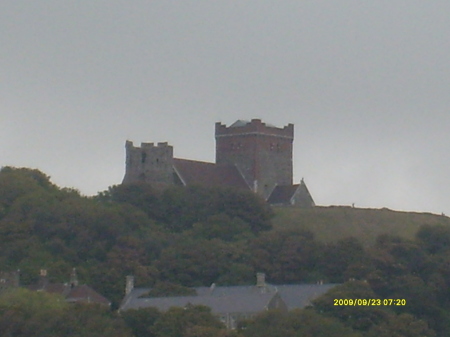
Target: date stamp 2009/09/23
[{"x": 369, "y": 302}]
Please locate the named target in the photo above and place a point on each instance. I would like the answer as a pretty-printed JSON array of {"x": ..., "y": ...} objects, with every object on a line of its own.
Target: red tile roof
[
  {"x": 193, "y": 172},
  {"x": 81, "y": 293},
  {"x": 85, "y": 294}
]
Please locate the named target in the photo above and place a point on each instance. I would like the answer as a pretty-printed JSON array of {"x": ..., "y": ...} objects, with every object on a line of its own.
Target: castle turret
[
  {"x": 149, "y": 163},
  {"x": 261, "y": 152}
]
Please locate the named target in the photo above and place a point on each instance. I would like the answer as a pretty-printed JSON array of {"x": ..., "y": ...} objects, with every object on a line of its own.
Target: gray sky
[{"x": 366, "y": 83}]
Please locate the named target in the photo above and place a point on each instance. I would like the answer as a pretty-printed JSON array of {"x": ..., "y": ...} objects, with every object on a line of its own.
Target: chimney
[
  {"x": 17, "y": 278},
  {"x": 260, "y": 280},
  {"x": 212, "y": 288},
  {"x": 129, "y": 284},
  {"x": 73, "y": 278},
  {"x": 43, "y": 280}
]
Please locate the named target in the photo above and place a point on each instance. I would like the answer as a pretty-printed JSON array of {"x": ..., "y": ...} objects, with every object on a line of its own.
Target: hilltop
[{"x": 333, "y": 223}]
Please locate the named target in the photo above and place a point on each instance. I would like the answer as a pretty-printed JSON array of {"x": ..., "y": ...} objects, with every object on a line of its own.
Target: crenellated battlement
[
  {"x": 149, "y": 163},
  {"x": 130, "y": 144},
  {"x": 255, "y": 126}
]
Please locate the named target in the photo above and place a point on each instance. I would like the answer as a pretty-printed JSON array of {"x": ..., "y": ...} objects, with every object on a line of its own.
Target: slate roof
[
  {"x": 297, "y": 195},
  {"x": 282, "y": 194},
  {"x": 233, "y": 299},
  {"x": 297, "y": 296},
  {"x": 242, "y": 122},
  {"x": 239, "y": 123},
  {"x": 192, "y": 172},
  {"x": 245, "y": 303}
]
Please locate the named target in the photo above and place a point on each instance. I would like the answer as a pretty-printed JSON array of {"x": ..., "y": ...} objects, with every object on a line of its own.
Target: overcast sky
[{"x": 366, "y": 83}]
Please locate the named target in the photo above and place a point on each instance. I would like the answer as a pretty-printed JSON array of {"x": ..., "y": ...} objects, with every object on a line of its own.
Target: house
[
  {"x": 72, "y": 291},
  {"x": 232, "y": 303}
]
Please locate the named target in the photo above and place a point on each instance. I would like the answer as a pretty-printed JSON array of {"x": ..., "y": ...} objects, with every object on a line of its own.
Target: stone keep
[{"x": 261, "y": 152}]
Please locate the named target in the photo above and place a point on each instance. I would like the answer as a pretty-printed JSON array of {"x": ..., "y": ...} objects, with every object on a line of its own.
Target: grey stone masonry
[{"x": 262, "y": 153}]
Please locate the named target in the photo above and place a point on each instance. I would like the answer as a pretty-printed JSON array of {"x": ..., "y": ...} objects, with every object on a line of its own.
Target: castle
[{"x": 250, "y": 155}]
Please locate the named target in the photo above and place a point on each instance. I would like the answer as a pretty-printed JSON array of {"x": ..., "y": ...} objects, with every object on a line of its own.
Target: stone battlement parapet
[{"x": 255, "y": 126}]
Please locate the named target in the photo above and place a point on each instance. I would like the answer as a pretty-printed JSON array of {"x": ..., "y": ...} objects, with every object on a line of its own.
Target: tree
[
  {"x": 404, "y": 325},
  {"x": 358, "y": 317},
  {"x": 142, "y": 321},
  {"x": 286, "y": 256},
  {"x": 435, "y": 239},
  {"x": 39, "y": 314},
  {"x": 183, "y": 322},
  {"x": 297, "y": 323}
]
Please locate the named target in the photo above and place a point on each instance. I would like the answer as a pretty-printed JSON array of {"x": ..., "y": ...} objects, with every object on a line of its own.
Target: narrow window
[{"x": 143, "y": 157}]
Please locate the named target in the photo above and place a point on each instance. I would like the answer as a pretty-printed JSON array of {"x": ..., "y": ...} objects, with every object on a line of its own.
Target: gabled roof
[
  {"x": 192, "y": 172},
  {"x": 80, "y": 293},
  {"x": 297, "y": 195},
  {"x": 85, "y": 294},
  {"x": 282, "y": 194}
]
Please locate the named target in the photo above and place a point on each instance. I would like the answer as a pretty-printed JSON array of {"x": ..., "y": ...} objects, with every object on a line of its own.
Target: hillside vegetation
[
  {"x": 329, "y": 224},
  {"x": 185, "y": 237}
]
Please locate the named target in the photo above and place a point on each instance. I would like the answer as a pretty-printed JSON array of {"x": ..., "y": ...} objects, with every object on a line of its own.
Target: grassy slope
[{"x": 337, "y": 222}]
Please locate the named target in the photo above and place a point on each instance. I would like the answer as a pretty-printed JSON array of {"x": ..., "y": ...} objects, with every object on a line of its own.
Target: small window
[{"x": 143, "y": 157}]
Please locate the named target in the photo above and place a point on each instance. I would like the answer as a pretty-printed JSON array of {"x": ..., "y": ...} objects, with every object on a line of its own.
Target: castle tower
[
  {"x": 261, "y": 152},
  {"x": 149, "y": 163}
]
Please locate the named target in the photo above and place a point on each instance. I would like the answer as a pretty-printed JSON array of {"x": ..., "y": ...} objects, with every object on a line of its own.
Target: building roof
[
  {"x": 192, "y": 172},
  {"x": 86, "y": 294},
  {"x": 233, "y": 299},
  {"x": 297, "y": 195},
  {"x": 242, "y": 122},
  {"x": 239, "y": 123},
  {"x": 282, "y": 194},
  {"x": 232, "y": 303},
  {"x": 297, "y": 296},
  {"x": 81, "y": 293}
]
